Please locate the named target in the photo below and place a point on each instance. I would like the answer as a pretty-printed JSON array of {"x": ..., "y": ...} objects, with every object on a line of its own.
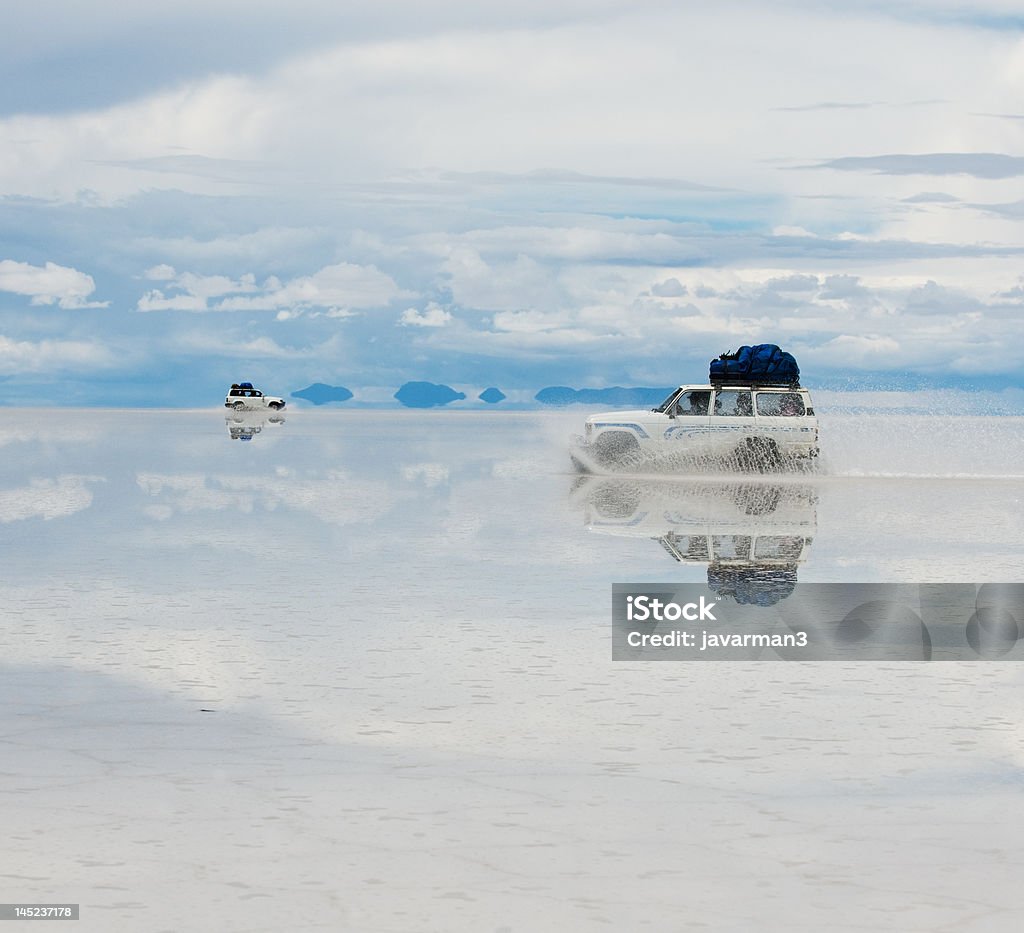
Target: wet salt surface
[{"x": 399, "y": 623}]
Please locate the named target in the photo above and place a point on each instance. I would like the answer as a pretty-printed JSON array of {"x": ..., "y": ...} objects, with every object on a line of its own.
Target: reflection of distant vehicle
[
  {"x": 245, "y": 425},
  {"x": 757, "y": 427},
  {"x": 243, "y": 396},
  {"x": 752, "y": 536}
]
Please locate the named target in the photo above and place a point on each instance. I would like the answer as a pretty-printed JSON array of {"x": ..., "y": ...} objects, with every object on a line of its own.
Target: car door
[
  {"x": 732, "y": 419},
  {"x": 688, "y": 418},
  {"x": 780, "y": 416}
]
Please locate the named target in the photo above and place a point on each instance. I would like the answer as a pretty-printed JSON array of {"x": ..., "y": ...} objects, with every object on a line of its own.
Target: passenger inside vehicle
[
  {"x": 733, "y": 402},
  {"x": 693, "y": 403}
]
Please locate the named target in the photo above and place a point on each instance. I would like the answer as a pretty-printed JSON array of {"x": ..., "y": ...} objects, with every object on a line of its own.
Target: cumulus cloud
[
  {"x": 160, "y": 273},
  {"x": 49, "y": 284},
  {"x": 669, "y": 288},
  {"x": 338, "y": 287},
  {"x": 432, "y": 316}
]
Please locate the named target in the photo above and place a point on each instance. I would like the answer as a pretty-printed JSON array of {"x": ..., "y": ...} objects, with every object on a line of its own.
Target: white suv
[
  {"x": 242, "y": 396},
  {"x": 757, "y": 427}
]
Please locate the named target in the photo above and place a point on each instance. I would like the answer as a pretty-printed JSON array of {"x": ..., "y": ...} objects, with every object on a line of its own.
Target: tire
[
  {"x": 239, "y": 406},
  {"x": 613, "y": 447},
  {"x": 274, "y": 406},
  {"x": 758, "y": 455}
]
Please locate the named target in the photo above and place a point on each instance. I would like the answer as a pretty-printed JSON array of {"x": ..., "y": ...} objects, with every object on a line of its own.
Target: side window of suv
[
  {"x": 774, "y": 404},
  {"x": 733, "y": 402},
  {"x": 693, "y": 403}
]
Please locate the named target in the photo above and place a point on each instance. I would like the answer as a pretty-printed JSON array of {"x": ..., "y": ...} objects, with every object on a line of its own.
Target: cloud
[
  {"x": 199, "y": 166},
  {"x": 254, "y": 348},
  {"x": 475, "y": 282},
  {"x": 160, "y": 273},
  {"x": 263, "y": 246},
  {"x": 841, "y": 286},
  {"x": 931, "y": 197},
  {"x": 789, "y": 230},
  {"x": 170, "y": 43},
  {"x": 1014, "y": 210},
  {"x": 864, "y": 351},
  {"x": 932, "y": 298},
  {"x": 991, "y": 165},
  {"x": 47, "y": 356},
  {"x": 509, "y": 219},
  {"x": 49, "y": 284},
  {"x": 337, "y": 288},
  {"x": 532, "y": 322},
  {"x": 669, "y": 288},
  {"x": 793, "y": 283},
  {"x": 1000, "y": 116},
  {"x": 566, "y": 177},
  {"x": 433, "y": 316}
]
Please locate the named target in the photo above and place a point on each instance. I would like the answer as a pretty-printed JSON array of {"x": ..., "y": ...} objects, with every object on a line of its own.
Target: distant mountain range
[
  {"x": 427, "y": 395},
  {"x": 320, "y": 394}
]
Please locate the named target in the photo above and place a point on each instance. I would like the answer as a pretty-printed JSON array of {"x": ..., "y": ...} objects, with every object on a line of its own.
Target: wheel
[
  {"x": 239, "y": 406},
  {"x": 613, "y": 447},
  {"x": 757, "y": 455},
  {"x": 274, "y": 406}
]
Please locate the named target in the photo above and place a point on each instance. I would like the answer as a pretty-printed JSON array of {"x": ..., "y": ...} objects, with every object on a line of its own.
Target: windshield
[{"x": 664, "y": 406}]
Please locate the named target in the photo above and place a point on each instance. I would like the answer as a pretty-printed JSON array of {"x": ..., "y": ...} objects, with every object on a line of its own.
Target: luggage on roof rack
[{"x": 764, "y": 364}]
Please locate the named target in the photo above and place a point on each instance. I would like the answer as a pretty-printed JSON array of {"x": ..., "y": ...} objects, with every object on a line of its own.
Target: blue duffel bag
[{"x": 765, "y": 364}]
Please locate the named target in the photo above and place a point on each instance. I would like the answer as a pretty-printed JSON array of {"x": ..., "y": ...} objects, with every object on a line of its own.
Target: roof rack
[{"x": 752, "y": 384}]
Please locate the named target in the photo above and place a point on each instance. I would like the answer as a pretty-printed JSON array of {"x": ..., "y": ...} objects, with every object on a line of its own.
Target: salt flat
[{"x": 354, "y": 672}]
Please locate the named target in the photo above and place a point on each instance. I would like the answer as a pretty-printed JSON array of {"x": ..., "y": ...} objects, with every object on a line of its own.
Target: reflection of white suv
[
  {"x": 242, "y": 395},
  {"x": 758, "y": 426},
  {"x": 724, "y": 523}
]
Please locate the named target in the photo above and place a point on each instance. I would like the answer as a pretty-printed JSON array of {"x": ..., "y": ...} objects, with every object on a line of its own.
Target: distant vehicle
[
  {"x": 243, "y": 396},
  {"x": 756, "y": 426}
]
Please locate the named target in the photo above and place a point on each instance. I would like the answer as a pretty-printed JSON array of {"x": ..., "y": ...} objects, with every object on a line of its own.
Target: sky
[{"x": 519, "y": 195}]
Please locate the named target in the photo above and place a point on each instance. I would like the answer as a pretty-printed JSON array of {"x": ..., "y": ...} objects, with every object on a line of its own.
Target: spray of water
[{"x": 936, "y": 435}]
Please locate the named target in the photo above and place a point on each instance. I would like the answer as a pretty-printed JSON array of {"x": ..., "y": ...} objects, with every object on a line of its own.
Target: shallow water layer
[{"x": 353, "y": 671}]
